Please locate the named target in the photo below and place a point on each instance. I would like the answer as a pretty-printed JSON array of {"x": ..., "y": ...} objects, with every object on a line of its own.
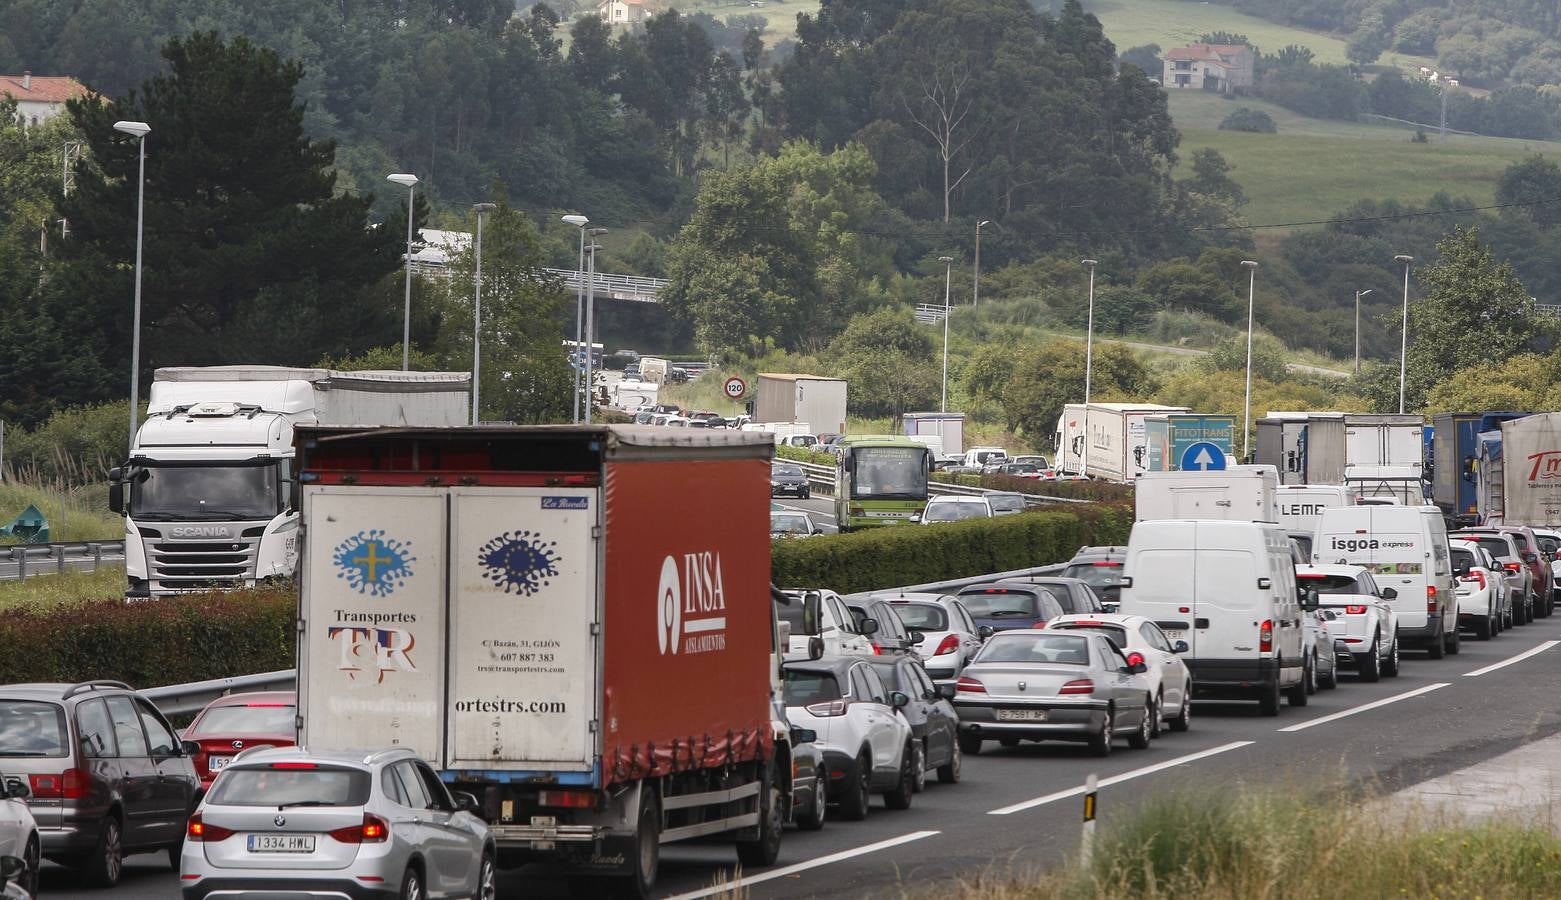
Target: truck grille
[{"x": 197, "y": 565}]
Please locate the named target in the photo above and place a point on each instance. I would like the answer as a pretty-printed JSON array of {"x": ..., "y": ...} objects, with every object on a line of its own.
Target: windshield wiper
[
  {"x": 26, "y": 753},
  {"x": 218, "y": 515},
  {"x": 1000, "y": 613},
  {"x": 155, "y": 516},
  {"x": 298, "y": 803}
]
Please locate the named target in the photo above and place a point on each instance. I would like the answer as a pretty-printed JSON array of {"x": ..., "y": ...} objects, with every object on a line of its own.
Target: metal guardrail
[
  {"x": 24, "y": 561},
  {"x": 822, "y": 478},
  {"x": 188, "y": 699},
  {"x": 929, "y": 313}
]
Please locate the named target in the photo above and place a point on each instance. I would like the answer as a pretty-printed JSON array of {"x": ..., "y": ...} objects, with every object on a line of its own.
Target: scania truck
[{"x": 208, "y": 491}]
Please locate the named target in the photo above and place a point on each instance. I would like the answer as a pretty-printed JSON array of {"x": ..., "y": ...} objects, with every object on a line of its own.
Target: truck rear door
[{"x": 524, "y": 608}]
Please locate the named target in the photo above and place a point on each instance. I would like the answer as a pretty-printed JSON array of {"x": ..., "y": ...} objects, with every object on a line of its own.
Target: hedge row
[
  {"x": 170, "y": 641},
  {"x": 889, "y": 557},
  {"x": 1106, "y": 491}
]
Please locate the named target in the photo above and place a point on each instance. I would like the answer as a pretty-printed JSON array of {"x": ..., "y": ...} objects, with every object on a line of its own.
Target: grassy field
[
  {"x": 45, "y": 591},
  {"x": 74, "y": 514},
  {"x": 1313, "y": 168}
]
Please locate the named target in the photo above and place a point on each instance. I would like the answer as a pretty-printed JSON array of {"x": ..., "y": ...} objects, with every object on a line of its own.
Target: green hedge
[
  {"x": 802, "y": 454},
  {"x": 1076, "y": 490},
  {"x": 914, "y": 554},
  {"x": 147, "y": 644}
]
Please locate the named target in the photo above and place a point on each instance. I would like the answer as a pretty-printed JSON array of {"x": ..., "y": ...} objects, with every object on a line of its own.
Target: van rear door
[
  {"x": 1227, "y": 613},
  {"x": 1387, "y": 541},
  {"x": 1164, "y": 590}
]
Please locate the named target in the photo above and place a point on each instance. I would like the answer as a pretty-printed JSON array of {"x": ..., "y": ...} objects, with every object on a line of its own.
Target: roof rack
[{"x": 84, "y": 686}]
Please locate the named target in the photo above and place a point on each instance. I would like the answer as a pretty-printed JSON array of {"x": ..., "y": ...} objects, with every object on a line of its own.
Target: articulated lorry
[
  {"x": 509, "y": 603},
  {"x": 1454, "y": 480},
  {"x": 1520, "y": 472},
  {"x": 813, "y": 399},
  {"x": 208, "y": 491},
  {"x": 1116, "y": 443}
]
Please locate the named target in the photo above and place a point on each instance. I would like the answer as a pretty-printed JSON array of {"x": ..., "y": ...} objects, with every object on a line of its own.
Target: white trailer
[
  {"x": 948, "y": 428},
  {"x": 1240, "y": 493},
  {"x": 1068, "y": 441},
  {"x": 1531, "y": 476},
  {"x": 1116, "y": 444},
  {"x": 1375, "y": 442},
  {"x": 801, "y": 398}
]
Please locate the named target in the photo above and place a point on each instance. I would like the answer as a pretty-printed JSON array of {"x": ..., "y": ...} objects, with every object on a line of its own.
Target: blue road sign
[{"x": 1203, "y": 457}]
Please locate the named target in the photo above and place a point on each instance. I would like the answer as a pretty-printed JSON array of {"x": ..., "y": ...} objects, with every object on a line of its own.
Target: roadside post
[{"x": 1087, "y": 840}]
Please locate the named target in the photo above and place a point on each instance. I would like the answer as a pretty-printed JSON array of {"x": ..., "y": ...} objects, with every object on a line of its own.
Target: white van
[
  {"x": 1405, "y": 547},
  {"x": 1225, "y": 595},
  {"x": 1301, "y": 505}
]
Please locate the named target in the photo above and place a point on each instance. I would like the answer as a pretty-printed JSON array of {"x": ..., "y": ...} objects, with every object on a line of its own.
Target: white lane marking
[
  {"x": 1507, "y": 662},
  {"x": 1302, "y": 726},
  {"x": 736, "y": 885},
  {"x": 1118, "y": 779}
]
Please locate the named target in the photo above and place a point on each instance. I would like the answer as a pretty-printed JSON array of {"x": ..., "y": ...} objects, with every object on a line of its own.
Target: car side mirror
[
  {"x": 116, "y": 490},
  {"x": 917, "y": 638},
  {"x": 1530, "y": 556},
  {"x": 1390, "y": 593},
  {"x": 466, "y": 802},
  {"x": 815, "y": 647},
  {"x": 17, "y": 789},
  {"x": 898, "y": 700},
  {"x": 12, "y": 868},
  {"x": 984, "y": 632},
  {"x": 947, "y": 691},
  {"x": 803, "y": 736},
  {"x": 868, "y": 626},
  {"x": 189, "y": 748},
  {"x": 1180, "y": 647},
  {"x": 1309, "y": 600}
]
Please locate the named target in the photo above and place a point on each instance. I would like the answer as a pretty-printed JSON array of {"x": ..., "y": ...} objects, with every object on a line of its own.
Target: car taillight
[
  {"x": 1265, "y": 637},
  {"x": 877, "y": 650},
  {"x": 1078, "y": 686},
  {"x": 1430, "y": 598},
  {"x": 71, "y": 784},
  {"x": 1135, "y": 658},
  {"x": 373, "y": 830},
  {"x": 1355, "y": 610},
  {"x": 1513, "y": 567},
  {"x": 1040, "y": 624},
  {"x": 949, "y": 644},
  {"x": 197, "y": 830},
  {"x": 1474, "y": 577},
  {"x": 968, "y": 685},
  {"x": 827, "y": 710}
]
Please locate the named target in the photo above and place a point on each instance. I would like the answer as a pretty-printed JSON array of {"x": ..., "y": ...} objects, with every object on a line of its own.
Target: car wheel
[
  {"x": 853, "y": 806},
  {"x": 1144, "y": 733},
  {"x": 1157, "y": 727},
  {"x": 487, "y": 878},
  {"x": 1331, "y": 680},
  {"x": 1298, "y": 695},
  {"x": 1100, "y": 741},
  {"x": 905, "y": 786},
  {"x": 34, "y": 859},
  {"x": 1268, "y": 703},
  {"x": 1311, "y": 675},
  {"x": 970, "y": 743},
  {"x": 763, "y": 850},
  {"x": 107, "y": 861},
  {"x": 949, "y": 772},
  {"x": 919, "y": 770},
  {"x": 1484, "y": 628},
  {"x": 411, "y": 885},
  {"x": 1184, "y": 721},
  {"x": 819, "y": 810}
]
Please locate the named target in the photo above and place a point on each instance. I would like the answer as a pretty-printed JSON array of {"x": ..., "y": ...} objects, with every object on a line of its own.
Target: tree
[
  {"x": 1244, "y": 118},
  {"x": 1533, "y": 188},
  {"x": 888, "y": 359},
  {"x": 1146, "y": 58},
  {"x": 1230, "y": 355},
  {"x": 1047, "y": 377},
  {"x": 1525, "y": 381},
  {"x": 1211, "y": 177}
]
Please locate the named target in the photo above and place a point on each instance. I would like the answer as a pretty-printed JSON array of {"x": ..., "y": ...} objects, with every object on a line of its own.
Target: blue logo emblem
[
  {"x": 519, "y": 562},
  {"x": 374, "y": 564}
]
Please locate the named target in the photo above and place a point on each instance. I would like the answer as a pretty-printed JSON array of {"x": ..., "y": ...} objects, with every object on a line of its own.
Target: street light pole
[
  {"x": 1358, "y": 295},
  {"x": 1089, "y": 365},
  {"x": 590, "y": 317},
  {"x": 948, "y": 269},
  {"x": 479, "y": 209},
  {"x": 139, "y": 130},
  {"x": 410, "y": 183},
  {"x": 1403, "y": 340},
  {"x": 1246, "y": 414},
  {"x": 975, "y": 281},
  {"x": 579, "y": 222}
]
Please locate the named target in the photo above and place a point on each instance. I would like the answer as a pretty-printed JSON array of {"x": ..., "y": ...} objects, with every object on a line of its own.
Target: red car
[{"x": 239, "y": 721}]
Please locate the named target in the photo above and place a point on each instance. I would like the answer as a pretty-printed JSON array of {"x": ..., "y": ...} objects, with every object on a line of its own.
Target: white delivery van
[
  {"x": 1405, "y": 547},
  {"x": 1240, "y": 494},
  {"x": 1301, "y": 505},
  {"x": 1227, "y": 591}
]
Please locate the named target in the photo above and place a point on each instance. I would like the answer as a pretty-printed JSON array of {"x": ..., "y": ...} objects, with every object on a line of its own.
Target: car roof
[
  {"x": 985, "y": 586},
  {"x": 991, "y": 494},
  {"x": 1122, "y": 619},
  {"x": 49, "y": 690},
  {"x": 357, "y": 758},
  {"x": 835, "y": 665},
  {"x": 955, "y": 498},
  {"x": 256, "y": 698},
  {"x": 1086, "y": 554}
]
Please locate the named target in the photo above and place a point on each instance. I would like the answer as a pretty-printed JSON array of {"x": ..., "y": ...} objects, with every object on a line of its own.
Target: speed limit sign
[{"x": 735, "y": 388}]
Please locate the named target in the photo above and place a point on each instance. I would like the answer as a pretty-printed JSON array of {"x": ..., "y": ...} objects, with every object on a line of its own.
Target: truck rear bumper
[
  {"x": 545, "y": 836},
  {"x": 1232, "y": 678}
]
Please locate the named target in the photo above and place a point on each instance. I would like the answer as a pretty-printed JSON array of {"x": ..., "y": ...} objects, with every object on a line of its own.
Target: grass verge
[{"x": 44, "y": 592}]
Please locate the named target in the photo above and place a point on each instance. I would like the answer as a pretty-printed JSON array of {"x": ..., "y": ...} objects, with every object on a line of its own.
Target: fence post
[
  {"x": 20, "y": 555},
  {"x": 1087, "y": 840},
  {"x": 59, "y": 556},
  {"x": 97, "y": 555}
]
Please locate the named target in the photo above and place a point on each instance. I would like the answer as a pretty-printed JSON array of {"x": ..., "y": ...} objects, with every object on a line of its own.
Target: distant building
[
  {"x": 625, "y": 13},
  {"x": 40, "y": 97},
  {"x": 1209, "y": 67}
]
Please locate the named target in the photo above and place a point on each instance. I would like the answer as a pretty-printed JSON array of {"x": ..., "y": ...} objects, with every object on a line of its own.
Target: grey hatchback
[
  {"x": 339, "y": 824},
  {"x": 108, "y": 776}
]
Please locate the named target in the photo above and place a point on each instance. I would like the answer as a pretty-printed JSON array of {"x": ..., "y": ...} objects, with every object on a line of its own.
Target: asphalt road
[{"x": 1019, "y": 809}]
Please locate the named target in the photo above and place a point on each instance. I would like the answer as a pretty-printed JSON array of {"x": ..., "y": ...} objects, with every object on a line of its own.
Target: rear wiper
[
  {"x": 998, "y": 614},
  {"x": 297, "y": 803},
  {"x": 26, "y": 753}
]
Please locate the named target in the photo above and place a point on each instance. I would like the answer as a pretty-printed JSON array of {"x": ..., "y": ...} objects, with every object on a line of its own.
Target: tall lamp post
[
  {"x": 590, "y": 315},
  {"x": 1403, "y": 341},
  {"x": 410, "y": 183},
  {"x": 1089, "y": 365},
  {"x": 479, "y": 209},
  {"x": 1358, "y": 295},
  {"x": 1246, "y": 407},
  {"x": 579, "y": 222},
  {"x": 948, "y": 269},
  {"x": 138, "y": 130},
  {"x": 975, "y": 280}
]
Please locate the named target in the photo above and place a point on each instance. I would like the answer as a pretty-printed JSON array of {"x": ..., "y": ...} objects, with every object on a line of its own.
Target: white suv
[
  {"x": 950, "y": 637},
  {"x": 824, "y": 616},
  {"x": 867, "y": 745},
  {"x": 1365, "y": 634},
  {"x": 19, "y": 831}
]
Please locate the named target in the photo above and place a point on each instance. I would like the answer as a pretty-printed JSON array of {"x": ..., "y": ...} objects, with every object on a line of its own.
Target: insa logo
[
  {"x": 200, "y": 531},
  {"x": 1547, "y": 465},
  {"x": 691, "y": 604}
]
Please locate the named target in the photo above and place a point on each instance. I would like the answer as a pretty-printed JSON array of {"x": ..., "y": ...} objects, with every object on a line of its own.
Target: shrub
[
  {"x": 803, "y": 454},
  {"x": 905, "y": 555},
  {"x": 1107, "y": 491},
  {"x": 75, "y": 446},
  {"x": 1244, "y": 118}
]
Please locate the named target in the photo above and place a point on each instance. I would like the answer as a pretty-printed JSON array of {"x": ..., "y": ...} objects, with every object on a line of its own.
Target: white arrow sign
[{"x": 1203, "y": 460}]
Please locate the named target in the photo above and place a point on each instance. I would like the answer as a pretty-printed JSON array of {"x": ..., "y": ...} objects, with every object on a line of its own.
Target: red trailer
[{"x": 537, "y": 612}]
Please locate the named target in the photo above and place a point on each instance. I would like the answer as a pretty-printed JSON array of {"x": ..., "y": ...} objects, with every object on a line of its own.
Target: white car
[
  {"x": 792, "y": 525},
  {"x": 1365, "y": 635},
  {"x": 1141, "y": 640},
  {"x": 1005, "y": 503},
  {"x": 954, "y": 509},
  {"x": 822, "y": 615},
  {"x": 19, "y": 831},
  {"x": 951, "y": 638},
  {"x": 1482, "y": 605},
  {"x": 867, "y": 744}
]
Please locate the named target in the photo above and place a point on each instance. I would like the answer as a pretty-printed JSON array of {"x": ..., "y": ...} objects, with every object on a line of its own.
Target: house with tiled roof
[
  {"x": 40, "y": 97},
  {"x": 624, "y": 13},
  {"x": 1209, "y": 67}
]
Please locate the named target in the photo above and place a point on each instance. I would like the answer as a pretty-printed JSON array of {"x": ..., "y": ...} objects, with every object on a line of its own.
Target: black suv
[{"x": 108, "y": 774}]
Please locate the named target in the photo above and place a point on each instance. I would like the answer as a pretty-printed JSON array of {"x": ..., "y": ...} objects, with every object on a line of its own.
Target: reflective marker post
[{"x": 1087, "y": 841}]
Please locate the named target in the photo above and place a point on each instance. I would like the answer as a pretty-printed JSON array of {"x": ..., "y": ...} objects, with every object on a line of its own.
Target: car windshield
[
  {"x": 804, "y": 687},
  {"x": 291, "y": 784},
  {"x": 788, "y": 524},
  {"x": 1331, "y": 584},
  {"x": 785, "y": 472},
  {"x": 1115, "y": 634},
  {"x": 30, "y": 728},
  {"x": 1030, "y": 648},
  {"x": 889, "y": 473},
  {"x": 205, "y": 493},
  {"x": 955, "y": 511},
  {"x": 997, "y": 602},
  {"x": 271, "y": 718},
  {"x": 923, "y": 616},
  {"x": 1005, "y": 502},
  {"x": 1099, "y": 575}
]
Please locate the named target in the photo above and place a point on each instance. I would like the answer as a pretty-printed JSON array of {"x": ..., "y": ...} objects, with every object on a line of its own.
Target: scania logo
[{"x": 200, "y": 531}]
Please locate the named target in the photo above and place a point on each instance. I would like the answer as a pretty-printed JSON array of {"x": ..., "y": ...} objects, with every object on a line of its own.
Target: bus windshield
[{"x": 889, "y": 473}]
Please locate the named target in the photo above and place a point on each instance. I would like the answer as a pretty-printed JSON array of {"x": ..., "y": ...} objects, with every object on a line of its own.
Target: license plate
[
  {"x": 1175, "y": 635},
  {"x": 281, "y": 843},
  {"x": 218, "y": 763},
  {"x": 1021, "y": 715}
]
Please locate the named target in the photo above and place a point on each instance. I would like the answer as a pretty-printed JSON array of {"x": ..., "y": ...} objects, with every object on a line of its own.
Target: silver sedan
[{"x": 1045, "y": 686}]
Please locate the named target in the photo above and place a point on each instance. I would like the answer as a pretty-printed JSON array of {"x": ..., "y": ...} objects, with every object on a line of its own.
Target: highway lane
[{"x": 1435, "y": 718}]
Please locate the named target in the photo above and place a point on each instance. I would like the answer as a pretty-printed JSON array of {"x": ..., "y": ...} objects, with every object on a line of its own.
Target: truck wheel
[
  {"x": 1268, "y": 703},
  {"x": 904, "y": 787},
  {"x": 762, "y": 851},
  {"x": 854, "y": 803},
  {"x": 1369, "y": 664},
  {"x": 639, "y": 883},
  {"x": 1298, "y": 695},
  {"x": 970, "y": 743}
]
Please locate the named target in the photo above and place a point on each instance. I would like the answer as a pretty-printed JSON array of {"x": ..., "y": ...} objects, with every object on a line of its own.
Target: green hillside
[{"x": 1313, "y": 168}]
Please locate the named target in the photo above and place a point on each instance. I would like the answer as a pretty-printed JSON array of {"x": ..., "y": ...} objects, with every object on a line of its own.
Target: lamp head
[
  {"x": 576, "y": 221},
  {"x": 945, "y": 259},
  {"x": 404, "y": 180},
  {"x": 1403, "y": 258},
  {"x": 597, "y": 232},
  {"x": 480, "y": 208},
  {"x": 1092, "y": 263},
  {"x": 983, "y": 223},
  {"x": 1365, "y": 292},
  {"x": 135, "y": 129},
  {"x": 1251, "y": 264}
]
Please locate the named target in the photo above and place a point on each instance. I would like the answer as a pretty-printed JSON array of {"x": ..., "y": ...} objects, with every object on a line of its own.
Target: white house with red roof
[
  {"x": 627, "y": 13},
  {"x": 40, "y": 97},
  {"x": 1209, "y": 67}
]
